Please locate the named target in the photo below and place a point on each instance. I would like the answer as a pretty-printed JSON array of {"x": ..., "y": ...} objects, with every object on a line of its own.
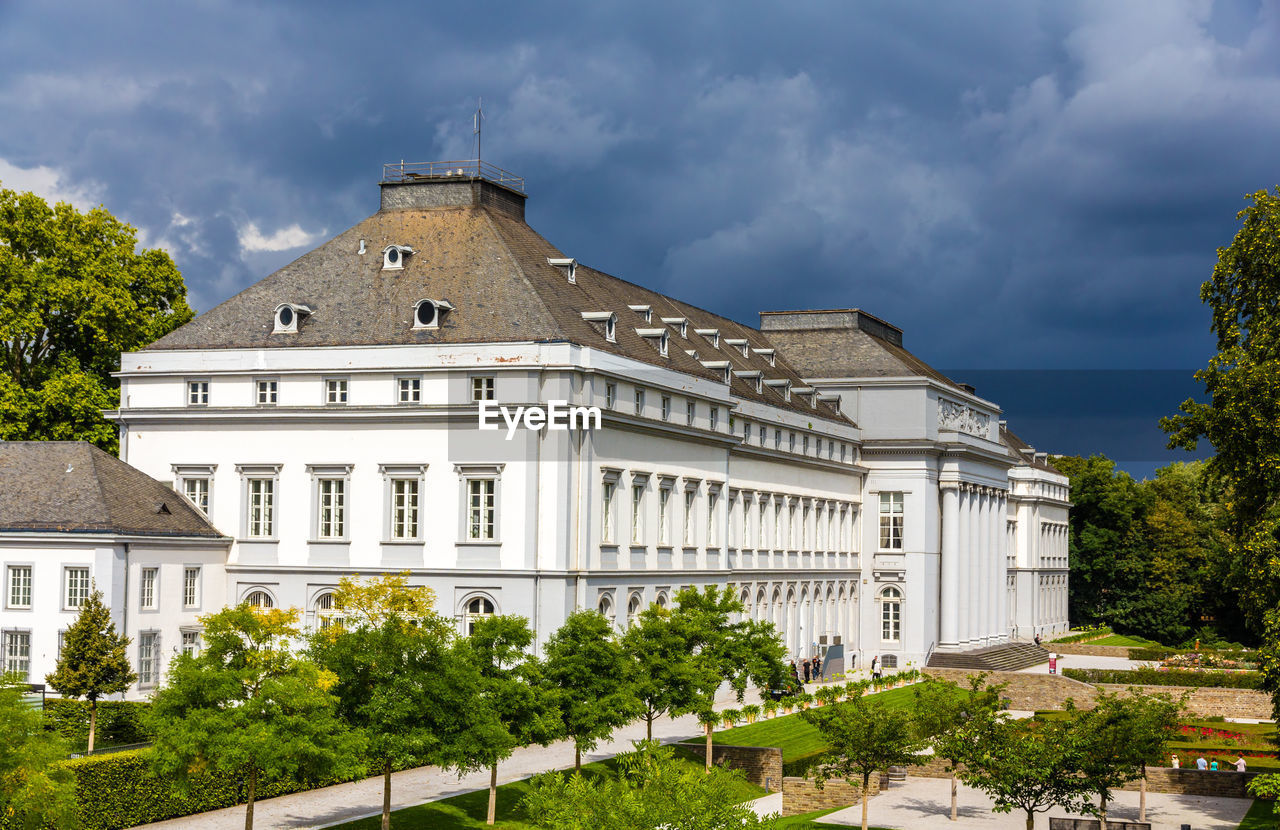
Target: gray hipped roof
[{"x": 72, "y": 486}]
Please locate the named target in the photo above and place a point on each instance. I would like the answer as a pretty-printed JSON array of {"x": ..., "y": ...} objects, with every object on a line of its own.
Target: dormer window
[
  {"x": 832, "y": 401},
  {"x": 752, "y": 377},
  {"x": 287, "y": 317},
  {"x": 711, "y": 334},
  {"x": 393, "y": 257},
  {"x": 809, "y": 394},
  {"x": 644, "y": 311},
  {"x": 427, "y": 314},
  {"x": 680, "y": 324},
  {"x": 658, "y": 337},
  {"x": 608, "y": 318},
  {"x": 767, "y": 354},
  {"x": 780, "y": 385},
  {"x": 567, "y": 265},
  {"x": 720, "y": 367},
  {"x": 739, "y": 344}
]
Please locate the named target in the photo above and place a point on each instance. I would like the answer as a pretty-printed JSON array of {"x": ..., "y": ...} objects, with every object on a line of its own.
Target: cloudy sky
[{"x": 1033, "y": 191}]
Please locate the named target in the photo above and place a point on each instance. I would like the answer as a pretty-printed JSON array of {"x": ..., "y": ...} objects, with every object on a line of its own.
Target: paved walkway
[
  {"x": 1085, "y": 661},
  {"x": 346, "y": 802},
  {"x": 926, "y": 802}
]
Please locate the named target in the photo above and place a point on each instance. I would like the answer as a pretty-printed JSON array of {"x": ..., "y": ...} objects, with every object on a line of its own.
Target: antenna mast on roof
[{"x": 478, "y": 126}]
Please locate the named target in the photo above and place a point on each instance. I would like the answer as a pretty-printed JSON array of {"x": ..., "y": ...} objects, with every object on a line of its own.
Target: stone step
[{"x": 1004, "y": 657}]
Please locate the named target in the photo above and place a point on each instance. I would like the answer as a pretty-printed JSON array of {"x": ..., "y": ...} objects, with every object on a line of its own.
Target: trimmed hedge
[
  {"x": 800, "y": 765},
  {"x": 121, "y": 790},
  {"x": 1173, "y": 677},
  {"x": 1094, "y": 634},
  {"x": 120, "y": 722}
]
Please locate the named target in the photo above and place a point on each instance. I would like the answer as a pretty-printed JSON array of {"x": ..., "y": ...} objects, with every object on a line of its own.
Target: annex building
[{"x": 328, "y": 421}]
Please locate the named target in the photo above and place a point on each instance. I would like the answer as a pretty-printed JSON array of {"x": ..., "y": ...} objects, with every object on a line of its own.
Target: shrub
[
  {"x": 1086, "y": 634},
  {"x": 1157, "y": 677},
  {"x": 800, "y": 765},
  {"x": 751, "y": 711},
  {"x": 120, "y": 722}
]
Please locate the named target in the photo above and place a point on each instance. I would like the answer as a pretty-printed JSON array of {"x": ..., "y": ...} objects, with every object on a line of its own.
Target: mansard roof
[
  {"x": 74, "y": 487},
  {"x": 493, "y": 269}
]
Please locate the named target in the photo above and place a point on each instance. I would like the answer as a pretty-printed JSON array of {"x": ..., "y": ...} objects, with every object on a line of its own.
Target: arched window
[
  {"x": 889, "y": 661},
  {"x": 326, "y": 616},
  {"x": 633, "y": 606},
  {"x": 260, "y": 599},
  {"x": 477, "y": 609},
  {"x": 661, "y": 601},
  {"x": 605, "y": 606},
  {"x": 890, "y": 615}
]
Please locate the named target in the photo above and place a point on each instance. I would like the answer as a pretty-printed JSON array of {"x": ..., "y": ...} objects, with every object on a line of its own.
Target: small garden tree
[
  {"x": 405, "y": 680},
  {"x": 1028, "y": 766},
  {"x": 35, "y": 791},
  {"x": 1118, "y": 737},
  {"x": 512, "y": 686},
  {"x": 593, "y": 679},
  {"x": 1156, "y": 724},
  {"x": 668, "y": 678},
  {"x": 653, "y": 789},
  {"x": 865, "y": 736},
  {"x": 93, "y": 662},
  {"x": 950, "y": 718},
  {"x": 247, "y": 705}
]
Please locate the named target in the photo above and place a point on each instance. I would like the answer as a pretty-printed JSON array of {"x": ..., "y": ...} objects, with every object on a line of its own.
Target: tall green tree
[
  {"x": 1026, "y": 766},
  {"x": 950, "y": 719},
  {"x": 405, "y": 680},
  {"x": 864, "y": 737},
  {"x": 593, "y": 679},
  {"x": 94, "y": 660},
  {"x": 35, "y": 791},
  {"x": 669, "y": 681},
  {"x": 74, "y": 293},
  {"x": 249, "y": 706},
  {"x": 512, "y": 686}
]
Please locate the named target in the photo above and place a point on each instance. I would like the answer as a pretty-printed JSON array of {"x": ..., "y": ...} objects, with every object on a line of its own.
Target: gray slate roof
[
  {"x": 72, "y": 486},
  {"x": 1024, "y": 452},
  {"x": 850, "y": 353},
  {"x": 492, "y": 267}
]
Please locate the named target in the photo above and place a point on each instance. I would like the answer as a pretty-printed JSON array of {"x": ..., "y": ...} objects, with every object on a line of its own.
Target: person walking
[
  {"x": 875, "y": 667},
  {"x": 805, "y": 665},
  {"x": 817, "y": 668}
]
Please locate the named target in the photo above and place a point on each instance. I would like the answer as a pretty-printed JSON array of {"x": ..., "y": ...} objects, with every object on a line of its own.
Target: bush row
[
  {"x": 1239, "y": 655},
  {"x": 119, "y": 721},
  {"x": 1087, "y": 634},
  {"x": 1156, "y": 677}
]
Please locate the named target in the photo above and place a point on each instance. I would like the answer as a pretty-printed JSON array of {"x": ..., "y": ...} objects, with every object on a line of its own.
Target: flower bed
[{"x": 1168, "y": 677}]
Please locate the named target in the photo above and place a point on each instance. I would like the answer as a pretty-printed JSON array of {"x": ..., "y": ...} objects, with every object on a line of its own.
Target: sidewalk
[{"x": 345, "y": 802}]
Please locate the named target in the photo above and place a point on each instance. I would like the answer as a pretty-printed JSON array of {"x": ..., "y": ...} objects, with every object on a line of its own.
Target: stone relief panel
[{"x": 958, "y": 417}]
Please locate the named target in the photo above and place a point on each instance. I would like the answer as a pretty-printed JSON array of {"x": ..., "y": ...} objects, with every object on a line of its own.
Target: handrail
[{"x": 412, "y": 171}]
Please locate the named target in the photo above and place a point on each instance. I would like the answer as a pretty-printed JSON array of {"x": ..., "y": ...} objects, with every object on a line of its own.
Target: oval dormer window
[
  {"x": 426, "y": 315},
  {"x": 286, "y": 316},
  {"x": 611, "y": 328},
  {"x": 393, "y": 256}
]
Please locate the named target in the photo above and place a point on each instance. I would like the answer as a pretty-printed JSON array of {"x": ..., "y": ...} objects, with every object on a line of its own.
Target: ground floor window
[
  {"x": 890, "y": 614},
  {"x": 17, "y": 654}
]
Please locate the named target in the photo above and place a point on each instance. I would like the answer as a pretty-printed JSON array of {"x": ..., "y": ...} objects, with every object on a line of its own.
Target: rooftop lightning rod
[{"x": 478, "y": 126}]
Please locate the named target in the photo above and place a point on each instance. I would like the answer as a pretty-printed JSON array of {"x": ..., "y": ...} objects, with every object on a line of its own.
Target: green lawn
[
  {"x": 806, "y": 821},
  {"x": 1124, "y": 640},
  {"x": 467, "y": 811},
  {"x": 1261, "y": 816}
]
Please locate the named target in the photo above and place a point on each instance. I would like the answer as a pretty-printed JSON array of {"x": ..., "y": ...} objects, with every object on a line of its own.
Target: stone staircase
[{"x": 1005, "y": 657}]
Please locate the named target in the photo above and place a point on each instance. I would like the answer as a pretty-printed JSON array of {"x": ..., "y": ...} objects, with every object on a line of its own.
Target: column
[
  {"x": 949, "y": 568},
  {"x": 985, "y": 573},
  {"x": 999, "y": 526},
  {"x": 971, "y": 565}
]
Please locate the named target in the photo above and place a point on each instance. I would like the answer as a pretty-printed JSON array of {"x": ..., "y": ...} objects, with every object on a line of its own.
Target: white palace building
[{"x": 328, "y": 421}]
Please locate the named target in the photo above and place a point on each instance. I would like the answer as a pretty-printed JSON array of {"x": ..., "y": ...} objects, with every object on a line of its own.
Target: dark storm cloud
[{"x": 1018, "y": 185}]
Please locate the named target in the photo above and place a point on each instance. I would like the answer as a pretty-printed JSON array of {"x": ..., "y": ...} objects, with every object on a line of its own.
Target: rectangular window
[
  {"x": 335, "y": 391},
  {"x": 482, "y": 388},
  {"x": 197, "y": 492},
  {"x": 715, "y": 417},
  {"x": 481, "y": 506},
  {"x": 261, "y": 506},
  {"x": 713, "y": 499},
  {"x": 410, "y": 390},
  {"x": 690, "y": 412},
  {"x": 191, "y": 643},
  {"x": 190, "y": 587},
  {"x": 148, "y": 658},
  {"x": 198, "y": 392},
  {"x": 777, "y": 439},
  {"x": 804, "y": 528},
  {"x": 606, "y": 515},
  {"x": 19, "y": 586},
  {"x": 764, "y": 435},
  {"x": 791, "y": 527},
  {"x": 689, "y": 502},
  {"x": 637, "y": 514},
  {"x": 890, "y": 617},
  {"x": 805, "y": 446},
  {"x": 17, "y": 654},
  {"x": 268, "y": 392},
  {"x": 777, "y": 524},
  {"x": 147, "y": 589},
  {"x": 639, "y": 401},
  {"x": 332, "y": 508},
  {"x": 666, "y": 407},
  {"x": 404, "y": 508},
  {"x": 791, "y": 442},
  {"x": 610, "y": 395},
  {"x": 891, "y": 521},
  {"x": 664, "y": 506},
  {"x": 77, "y": 587},
  {"x": 760, "y": 537}
]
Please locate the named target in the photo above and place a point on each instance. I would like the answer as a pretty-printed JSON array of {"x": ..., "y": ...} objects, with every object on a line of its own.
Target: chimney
[
  {"x": 847, "y": 318},
  {"x": 433, "y": 184}
]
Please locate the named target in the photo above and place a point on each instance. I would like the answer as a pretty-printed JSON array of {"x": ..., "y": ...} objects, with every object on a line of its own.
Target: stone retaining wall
[
  {"x": 1088, "y": 649},
  {"x": 762, "y": 764},
  {"x": 1195, "y": 782},
  {"x": 802, "y": 795},
  {"x": 1211, "y": 701}
]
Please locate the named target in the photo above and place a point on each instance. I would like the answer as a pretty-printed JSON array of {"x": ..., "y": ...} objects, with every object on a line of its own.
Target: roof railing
[{"x": 414, "y": 171}]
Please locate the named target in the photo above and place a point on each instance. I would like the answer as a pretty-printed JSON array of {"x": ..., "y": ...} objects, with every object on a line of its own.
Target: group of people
[
  {"x": 808, "y": 670},
  {"x": 1210, "y": 766}
]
